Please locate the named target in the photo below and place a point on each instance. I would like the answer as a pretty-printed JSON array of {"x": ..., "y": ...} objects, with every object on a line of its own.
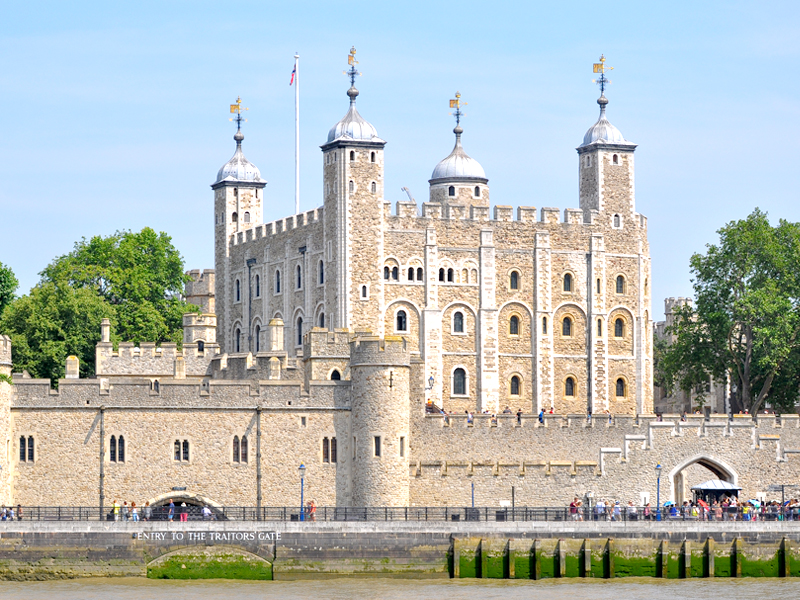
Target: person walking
[
  {"x": 134, "y": 512},
  {"x": 115, "y": 509},
  {"x": 184, "y": 512},
  {"x": 125, "y": 511},
  {"x": 148, "y": 511},
  {"x": 19, "y": 512},
  {"x": 171, "y": 511}
]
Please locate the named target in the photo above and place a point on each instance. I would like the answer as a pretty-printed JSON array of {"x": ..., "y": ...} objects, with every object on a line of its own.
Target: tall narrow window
[
  {"x": 459, "y": 382},
  {"x": 450, "y": 275},
  {"x": 619, "y": 328},
  {"x": 411, "y": 273},
  {"x": 377, "y": 445},
  {"x": 30, "y": 448},
  {"x": 395, "y": 273},
  {"x": 599, "y": 327},
  {"x": 616, "y": 221},
  {"x": 177, "y": 449},
  {"x": 451, "y": 191},
  {"x": 257, "y": 334},
  {"x": 322, "y": 320},
  {"x": 513, "y": 325},
  {"x": 513, "y": 280},
  {"x": 238, "y": 292},
  {"x": 351, "y": 186},
  {"x": 321, "y": 272},
  {"x": 386, "y": 272},
  {"x": 112, "y": 449},
  {"x": 477, "y": 192},
  {"x": 333, "y": 449},
  {"x": 620, "y": 388},
  {"x": 23, "y": 445},
  {"x": 567, "y": 282},
  {"x": 277, "y": 282},
  {"x": 566, "y": 327},
  {"x": 186, "y": 450},
  {"x": 401, "y": 321},
  {"x": 299, "y": 331},
  {"x": 363, "y": 291},
  {"x": 326, "y": 450},
  {"x": 299, "y": 277},
  {"x": 616, "y": 159},
  {"x": 598, "y": 285},
  {"x": 515, "y": 386},
  {"x": 246, "y": 216},
  {"x": 569, "y": 387},
  {"x": 121, "y": 449},
  {"x": 419, "y": 273},
  {"x": 544, "y": 325},
  {"x": 402, "y": 446},
  {"x": 236, "y": 448},
  {"x": 237, "y": 337},
  {"x": 458, "y": 322},
  {"x": 374, "y": 187},
  {"x": 258, "y": 286},
  {"x": 244, "y": 448},
  {"x": 235, "y": 217},
  {"x": 352, "y": 155},
  {"x": 620, "y": 284},
  {"x": 372, "y": 157},
  {"x": 201, "y": 346},
  {"x": 441, "y": 274}
]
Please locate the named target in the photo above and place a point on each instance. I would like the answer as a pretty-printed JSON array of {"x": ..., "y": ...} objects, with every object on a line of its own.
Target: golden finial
[
  {"x": 601, "y": 67},
  {"x": 352, "y": 71},
  {"x": 457, "y": 104},
  {"x": 237, "y": 109}
]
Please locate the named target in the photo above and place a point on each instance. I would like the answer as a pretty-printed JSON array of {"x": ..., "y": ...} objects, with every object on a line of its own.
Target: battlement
[
  {"x": 367, "y": 349},
  {"x": 291, "y": 223},
  {"x": 201, "y": 282},
  {"x": 321, "y": 343},
  {"x": 671, "y": 303},
  {"x": 5, "y": 355}
]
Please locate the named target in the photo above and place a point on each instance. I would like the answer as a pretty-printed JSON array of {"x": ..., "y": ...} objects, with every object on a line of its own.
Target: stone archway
[
  {"x": 717, "y": 467},
  {"x": 194, "y": 506}
]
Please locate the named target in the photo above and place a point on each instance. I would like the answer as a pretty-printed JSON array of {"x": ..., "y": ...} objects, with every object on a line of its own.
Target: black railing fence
[{"x": 410, "y": 513}]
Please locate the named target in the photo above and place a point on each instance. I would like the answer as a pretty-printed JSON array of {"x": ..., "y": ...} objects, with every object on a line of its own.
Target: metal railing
[{"x": 411, "y": 513}]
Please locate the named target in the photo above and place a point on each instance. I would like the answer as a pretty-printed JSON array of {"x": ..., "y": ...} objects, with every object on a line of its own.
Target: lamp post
[
  {"x": 658, "y": 492},
  {"x": 302, "y": 470}
]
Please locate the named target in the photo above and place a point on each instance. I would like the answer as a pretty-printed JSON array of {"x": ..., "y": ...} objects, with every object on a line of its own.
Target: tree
[
  {"x": 51, "y": 323},
  {"x": 8, "y": 285},
  {"x": 140, "y": 274},
  {"x": 745, "y": 324}
]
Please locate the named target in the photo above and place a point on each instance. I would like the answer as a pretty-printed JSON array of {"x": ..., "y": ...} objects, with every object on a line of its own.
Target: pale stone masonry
[{"x": 327, "y": 337}]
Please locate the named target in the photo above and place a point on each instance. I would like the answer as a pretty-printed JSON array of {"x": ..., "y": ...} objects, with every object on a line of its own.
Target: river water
[{"x": 390, "y": 589}]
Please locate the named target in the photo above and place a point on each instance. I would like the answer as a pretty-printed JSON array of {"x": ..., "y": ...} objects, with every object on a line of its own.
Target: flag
[
  {"x": 597, "y": 67},
  {"x": 453, "y": 103},
  {"x": 294, "y": 71}
]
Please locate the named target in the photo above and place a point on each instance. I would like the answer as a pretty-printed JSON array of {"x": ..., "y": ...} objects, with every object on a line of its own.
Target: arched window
[
  {"x": 620, "y": 388},
  {"x": 236, "y": 448},
  {"x": 238, "y": 291},
  {"x": 616, "y": 221},
  {"x": 460, "y": 382},
  {"x": 566, "y": 327},
  {"x": 386, "y": 272},
  {"x": 515, "y": 385},
  {"x": 351, "y": 186},
  {"x": 450, "y": 275},
  {"x": 322, "y": 319},
  {"x": 513, "y": 325},
  {"x": 23, "y": 444},
  {"x": 451, "y": 191},
  {"x": 326, "y": 450},
  {"x": 616, "y": 159},
  {"x": 299, "y": 272},
  {"x": 477, "y": 192},
  {"x": 244, "y": 448},
  {"x": 186, "y": 450},
  {"x": 441, "y": 274},
  {"x": 258, "y": 338},
  {"x": 411, "y": 273},
  {"x": 299, "y": 331},
  {"x": 112, "y": 449},
  {"x": 513, "y": 280},
  {"x": 201, "y": 346},
  {"x": 371, "y": 157},
  {"x": 321, "y": 272},
  {"x": 544, "y": 325},
  {"x": 619, "y": 328},
  {"x": 395, "y": 273},
  {"x": 258, "y": 286},
  {"x": 567, "y": 282},
  {"x": 599, "y": 327},
  {"x": 363, "y": 291},
  {"x": 458, "y": 322},
  {"x": 335, "y": 375},
  {"x": 569, "y": 387},
  {"x": 333, "y": 450},
  {"x": 620, "y": 284},
  {"x": 352, "y": 155},
  {"x": 234, "y": 217},
  {"x": 464, "y": 276},
  {"x": 121, "y": 449},
  {"x": 237, "y": 335},
  {"x": 155, "y": 385},
  {"x": 374, "y": 187},
  {"x": 401, "y": 321},
  {"x": 246, "y": 216},
  {"x": 419, "y": 274},
  {"x": 277, "y": 282},
  {"x": 473, "y": 276}
]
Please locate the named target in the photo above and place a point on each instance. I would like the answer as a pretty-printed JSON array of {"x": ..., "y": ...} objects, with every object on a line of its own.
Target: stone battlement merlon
[
  {"x": 389, "y": 350},
  {"x": 322, "y": 343},
  {"x": 290, "y": 223}
]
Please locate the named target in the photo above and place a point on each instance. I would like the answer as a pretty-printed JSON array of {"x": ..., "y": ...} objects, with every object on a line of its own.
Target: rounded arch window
[
  {"x": 395, "y": 273},
  {"x": 335, "y": 375},
  {"x": 513, "y": 325},
  {"x": 351, "y": 187},
  {"x": 321, "y": 272},
  {"x": 566, "y": 327},
  {"x": 401, "y": 321},
  {"x": 450, "y": 275},
  {"x": 458, "y": 322},
  {"x": 513, "y": 280},
  {"x": 258, "y": 285},
  {"x": 352, "y": 155},
  {"x": 299, "y": 277},
  {"x": 451, "y": 191},
  {"x": 569, "y": 386},
  {"x": 617, "y": 221},
  {"x": 374, "y": 187},
  {"x": 322, "y": 320},
  {"x": 299, "y": 331},
  {"x": 620, "y": 388},
  {"x": 419, "y": 274},
  {"x": 567, "y": 282},
  {"x": 246, "y": 216},
  {"x": 238, "y": 291},
  {"x": 515, "y": 386},
  {"x": 234, "y": 217},
  {"x": 620, "y": 284},
  {"x": 372, "y": 157},
  {"x": 386, "y": 272},
  {"x": 411, "y": 273},
  {"x": 477, "y": 192},
  {"x": 237, "y": 339},
  {"x": 363, "y": 291},
  {"x": 619, "y": 327},
  {"x": 460, "y": 382},
  {"x": 615, "y": 159},
  {"x": 258, "y": 338},
  {"x": 441, "y": 274},
  {"x": 277, "y": 282},
  {"x": 544, "y": 325}
]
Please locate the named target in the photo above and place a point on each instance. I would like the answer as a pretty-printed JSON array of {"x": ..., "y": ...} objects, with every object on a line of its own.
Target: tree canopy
[
  {"x": 8, "y": 286},
  {"x": 745, "y": 322}
]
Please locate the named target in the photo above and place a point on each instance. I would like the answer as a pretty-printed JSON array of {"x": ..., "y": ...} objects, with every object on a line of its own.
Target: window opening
[
  {"x": 619, "y": 328},
  {"x": 515, "y": 386},
  {"x": 386, "y": 272},
  {"x": 299, "y": 277},
  {"x": 620, "y": 387},
  {"x": 599, "y": 327},
  {"x": 620, "y": 284},
  {"x": 177, "y": 450},
  {"x": 326, "y": 449},
  {"x": 351, "y": 187},
  {"x": 402, "y": 321},
  {"x": 237, "y": 339},
  {"x": 234, "y": 217},
  {"x": 299, "y": 331},
  {"x": 441, "y": 274},
  {"x": 363, "y": 291},
  {"x": 544, "y": 325},
  {"x": 513, "y": 325},
  {"x": 514, "y": 280},
  {"x": 616, "y": 159},
  {"x": 372, "y": 157},
  {"x": 477, "y": 192},
  {"x": 277, "y": 282},
  {"x": 395, "y": 273},
  {"x": 569, "y": 387},
  {"x": 186, "y": 450},
  {"x": 23, "y": 448},
  {"x": 450, "y": 275},
  {"x": 236, "y": 448},
  {"x": 246, "y": 216},
  {"x": 374, "y": 187},
  {"x": 402, "y": 446},
  {"x": 322, "y": 320},
  {"x": 352, "y": 155},
  {"x": 460, "y": 381},
  {"x": 321, "y": 272},
  {"x": 567, "y": 282},
  {"x": 258, "y": 286},
  {"x": 419, "y": 273},
  {"x": 377, "y": 445},
  {"x": 258, "y": 338},
  {"x": 616, "y": 221},
  {"x": 112, "y": 449},
  {"x": 411, "y": 273},
  {"x": 335, "y": 375},
  {"x": 451, "y": 191},
  {"x": 566, "y": 327},
  {"x": 121, "y": 449},
  {"x": 458, "y": 322},
  {"x": 333, "y": 450},
  {"x": 244, "y": 448},
  {"x": 238, "y": 291},
  {"x": 598, "y": 285}
]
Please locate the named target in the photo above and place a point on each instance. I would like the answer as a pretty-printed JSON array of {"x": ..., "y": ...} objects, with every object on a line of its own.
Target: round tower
[{"x": 380, "y": 378}]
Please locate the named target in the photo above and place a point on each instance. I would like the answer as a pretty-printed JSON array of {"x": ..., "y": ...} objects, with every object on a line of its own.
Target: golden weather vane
[
  {"x": 237, "y": 109},
  {"x": 601, "y": 67},
  {"x": 352, "y": 72},
  {"x": 457, "y": 104}
]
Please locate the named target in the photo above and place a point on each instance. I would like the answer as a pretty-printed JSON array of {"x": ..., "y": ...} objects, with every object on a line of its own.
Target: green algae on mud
[{"x": 205, "y": 566}]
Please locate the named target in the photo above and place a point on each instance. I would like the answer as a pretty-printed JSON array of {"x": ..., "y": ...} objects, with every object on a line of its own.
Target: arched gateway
[{"x": 680, "y": 474}]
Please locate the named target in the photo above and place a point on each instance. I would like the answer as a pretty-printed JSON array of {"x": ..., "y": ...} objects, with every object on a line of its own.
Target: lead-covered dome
[
  {"x": 238, "y": 168},
  {"x": 603, "y": 131},
  {"x": 353, "y": 127},
  {"x": 458, "y": 165}
]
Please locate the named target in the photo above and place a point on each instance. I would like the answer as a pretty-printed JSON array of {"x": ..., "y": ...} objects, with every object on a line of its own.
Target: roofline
[
  {"x": 628, "y": 146},
  {"x": 351, "y": 143},
  {"x": 238, "y": 183},
  {"x": 483, "y": 180}
]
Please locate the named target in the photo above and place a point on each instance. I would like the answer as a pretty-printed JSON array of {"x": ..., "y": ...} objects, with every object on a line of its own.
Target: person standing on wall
[{"x": 171, "y": 512}]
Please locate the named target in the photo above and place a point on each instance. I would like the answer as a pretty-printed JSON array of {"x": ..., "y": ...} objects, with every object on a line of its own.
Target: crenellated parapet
[
  {"x": 369, "y": 350},
  {"x": 292, "y": 223},
  {"x": 200, "y": 289}
]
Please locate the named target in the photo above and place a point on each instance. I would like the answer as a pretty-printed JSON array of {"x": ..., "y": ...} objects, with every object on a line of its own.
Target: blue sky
[{"x": 116, "y": 116}]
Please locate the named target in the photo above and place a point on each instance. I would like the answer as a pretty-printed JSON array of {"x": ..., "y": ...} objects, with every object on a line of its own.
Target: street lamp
[
  {"x": 302, "y": 470},
  {"x": 658, "y": 492}
]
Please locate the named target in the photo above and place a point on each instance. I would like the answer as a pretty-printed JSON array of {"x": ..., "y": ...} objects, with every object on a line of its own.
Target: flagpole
[{"x": 296, "y": 134}]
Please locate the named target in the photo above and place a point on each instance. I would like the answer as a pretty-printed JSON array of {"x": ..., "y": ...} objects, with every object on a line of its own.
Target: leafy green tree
[
  {"x": 8, "y": 285},
  {"x": 140, "y": 274},
  {"x": 745, "y": 323},
  {"x": 51, "y": 323}
]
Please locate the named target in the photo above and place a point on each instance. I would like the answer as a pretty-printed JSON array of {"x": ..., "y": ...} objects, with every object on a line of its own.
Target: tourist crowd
[{"x": 727, "y": 508}]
